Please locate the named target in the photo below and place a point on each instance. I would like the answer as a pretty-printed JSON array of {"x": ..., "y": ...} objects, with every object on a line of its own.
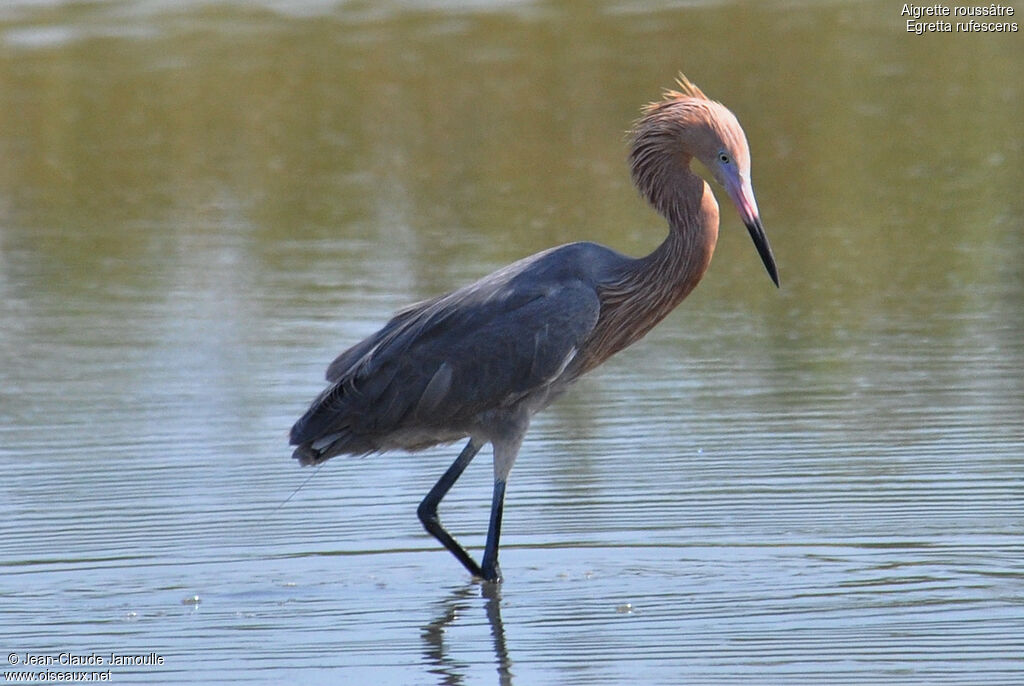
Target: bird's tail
[
  {"x": 326, "y": 430},
  {"x": 323, "y": 448},
  {"x": 345, "y": 419},
  {"x": 307, "y": 455}
]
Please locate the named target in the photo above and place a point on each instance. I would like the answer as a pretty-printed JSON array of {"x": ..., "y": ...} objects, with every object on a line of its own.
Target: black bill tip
[{"x": 763, "y": 249}]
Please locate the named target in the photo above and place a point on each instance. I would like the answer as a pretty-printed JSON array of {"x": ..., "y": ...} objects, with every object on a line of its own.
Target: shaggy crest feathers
[
  {"x": 687, "y": 89},
  {"x": 657, "y": 142}
]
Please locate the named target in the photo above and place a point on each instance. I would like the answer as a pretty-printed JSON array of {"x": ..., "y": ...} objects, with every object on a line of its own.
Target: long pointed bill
[
  {"x": 763, "y": 249},
  {"x": 742, "y": 194}
]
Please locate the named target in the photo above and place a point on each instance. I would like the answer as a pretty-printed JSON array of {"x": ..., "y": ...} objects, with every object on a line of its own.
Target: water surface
[{"x": 202, "y": 203}]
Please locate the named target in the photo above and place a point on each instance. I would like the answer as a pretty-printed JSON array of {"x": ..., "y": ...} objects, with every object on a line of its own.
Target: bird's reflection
[{"x": 451, "y": 671}]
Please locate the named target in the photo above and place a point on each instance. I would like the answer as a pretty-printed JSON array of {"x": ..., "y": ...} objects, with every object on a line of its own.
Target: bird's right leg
[{"x": 427, "y": 510}]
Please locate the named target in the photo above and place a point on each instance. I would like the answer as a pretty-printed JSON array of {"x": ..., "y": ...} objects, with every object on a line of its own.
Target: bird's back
[{"x": 444, "y": 368}]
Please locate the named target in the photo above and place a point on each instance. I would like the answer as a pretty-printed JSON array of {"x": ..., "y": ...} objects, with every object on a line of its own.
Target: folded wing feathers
[{"x": 470, "y": 341}]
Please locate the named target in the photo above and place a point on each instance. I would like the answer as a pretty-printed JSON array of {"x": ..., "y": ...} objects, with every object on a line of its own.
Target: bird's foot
[{"x": 491, "y": 571}]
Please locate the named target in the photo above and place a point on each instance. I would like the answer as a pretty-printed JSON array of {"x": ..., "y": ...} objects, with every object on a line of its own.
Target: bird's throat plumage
[{"x": 650, "y": 287}]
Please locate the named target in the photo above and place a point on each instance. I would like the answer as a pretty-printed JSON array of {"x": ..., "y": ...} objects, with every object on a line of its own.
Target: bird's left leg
[
  {"x": 491, "y": 570},
  {"x": 505, "y": 452}
]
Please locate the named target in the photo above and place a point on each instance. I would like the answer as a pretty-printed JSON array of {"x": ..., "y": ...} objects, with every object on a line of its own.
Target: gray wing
[{"x": 438, "y": 365}]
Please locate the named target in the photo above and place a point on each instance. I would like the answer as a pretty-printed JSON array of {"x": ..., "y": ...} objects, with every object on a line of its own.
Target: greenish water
[{"x": 202, "y": 202}]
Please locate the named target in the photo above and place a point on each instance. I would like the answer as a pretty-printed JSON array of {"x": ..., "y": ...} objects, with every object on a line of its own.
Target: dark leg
[
  {"x": 490, "y": 568},
  {"x": 427, "y": 510}
]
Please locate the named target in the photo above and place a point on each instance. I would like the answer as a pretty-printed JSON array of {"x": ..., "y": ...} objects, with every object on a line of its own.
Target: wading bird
[{"x": 480, "y": 361}]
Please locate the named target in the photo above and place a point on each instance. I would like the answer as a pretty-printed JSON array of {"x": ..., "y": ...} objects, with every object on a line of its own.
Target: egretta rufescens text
[{"x": 480, "y": 361}]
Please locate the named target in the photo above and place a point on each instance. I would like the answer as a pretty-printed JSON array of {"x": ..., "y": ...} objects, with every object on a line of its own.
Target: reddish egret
[{"x": 481, "y": 360}]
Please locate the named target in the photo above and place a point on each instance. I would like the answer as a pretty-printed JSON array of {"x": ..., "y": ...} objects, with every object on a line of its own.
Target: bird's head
[{"x": 707, "y": 131}]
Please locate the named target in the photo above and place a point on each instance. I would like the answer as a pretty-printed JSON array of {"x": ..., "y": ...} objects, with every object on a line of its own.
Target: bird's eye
[{"x": 723, "y": 158}]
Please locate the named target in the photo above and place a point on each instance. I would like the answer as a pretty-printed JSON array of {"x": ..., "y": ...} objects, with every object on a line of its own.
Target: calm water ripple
[{"x": 202, "y": 203}]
